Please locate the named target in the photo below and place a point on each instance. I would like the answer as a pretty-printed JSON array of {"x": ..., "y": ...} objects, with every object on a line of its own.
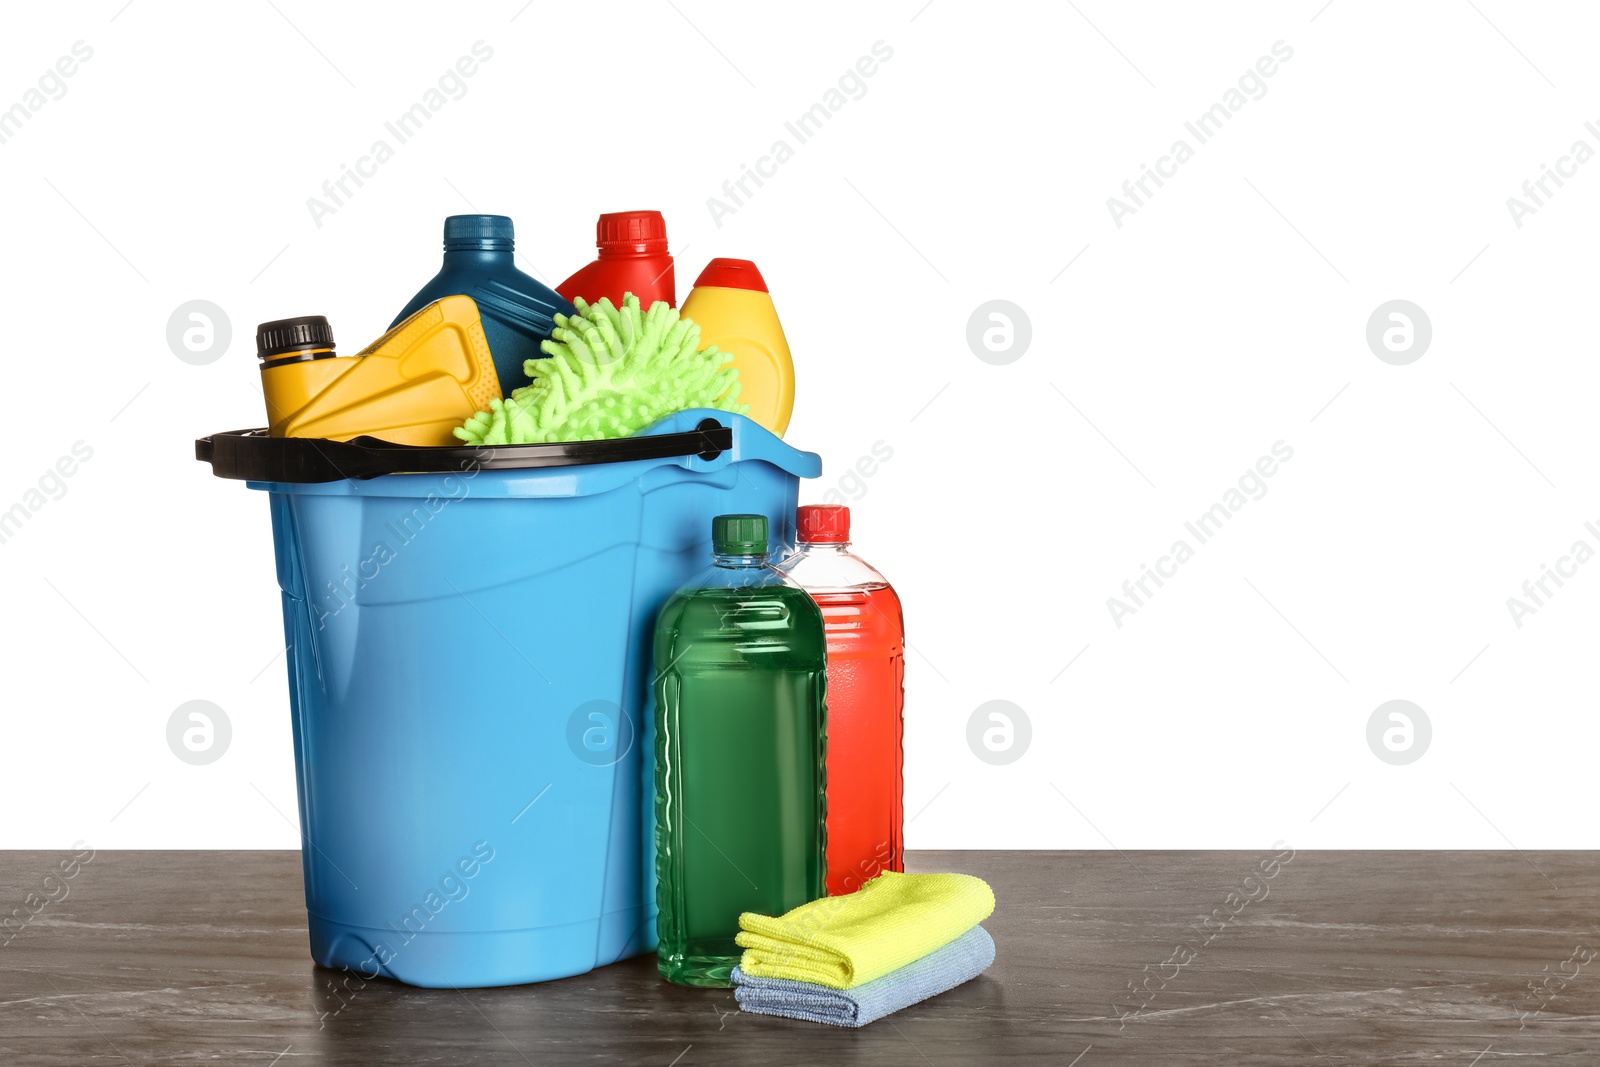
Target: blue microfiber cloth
[{"x": 942, "y": 969}]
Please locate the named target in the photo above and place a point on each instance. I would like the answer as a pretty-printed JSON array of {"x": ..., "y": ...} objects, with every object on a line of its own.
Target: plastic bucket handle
[{"x": 252, "y": 455}]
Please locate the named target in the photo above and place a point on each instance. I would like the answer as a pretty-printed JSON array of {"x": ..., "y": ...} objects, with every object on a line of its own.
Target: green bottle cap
[{"x": 739, "y": 535}]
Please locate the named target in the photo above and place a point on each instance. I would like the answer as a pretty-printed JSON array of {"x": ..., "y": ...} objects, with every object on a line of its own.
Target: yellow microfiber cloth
[{"x": 845, "y": 941}]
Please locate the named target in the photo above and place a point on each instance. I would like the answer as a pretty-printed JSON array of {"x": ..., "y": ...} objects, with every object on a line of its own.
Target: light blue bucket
[{"x": 468, "y": 662}]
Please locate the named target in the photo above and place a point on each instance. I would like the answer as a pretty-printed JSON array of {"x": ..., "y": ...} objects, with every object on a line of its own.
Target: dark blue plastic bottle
[{"x": 518, "y": 312}]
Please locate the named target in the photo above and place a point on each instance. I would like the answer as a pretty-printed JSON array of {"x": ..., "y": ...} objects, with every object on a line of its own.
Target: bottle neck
[
  {"x": 739, "y": 562},
  {"x": 283, "y": 359},
  {"x": 825, "y": 548},
  {"x": 461, "y": 257},
  {"x": 627, "y": 252}
]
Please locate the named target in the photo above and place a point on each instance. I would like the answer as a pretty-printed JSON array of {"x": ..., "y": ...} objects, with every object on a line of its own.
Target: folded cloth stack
[{"x": 852, "y": 959}]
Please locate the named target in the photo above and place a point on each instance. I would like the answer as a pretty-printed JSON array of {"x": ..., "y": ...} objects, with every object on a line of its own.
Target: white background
[{"x": 1227, "y": 314}]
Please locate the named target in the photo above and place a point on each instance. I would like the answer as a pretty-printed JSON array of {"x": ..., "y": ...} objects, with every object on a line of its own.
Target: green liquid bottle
[{"x": 740, "y": 751}]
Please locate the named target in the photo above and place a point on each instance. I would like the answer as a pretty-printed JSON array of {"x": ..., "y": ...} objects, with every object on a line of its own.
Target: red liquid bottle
[{"x": 866, "y": 697}]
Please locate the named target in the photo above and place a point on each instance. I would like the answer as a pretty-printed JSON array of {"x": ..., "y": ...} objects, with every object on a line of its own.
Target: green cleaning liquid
[{"x": 740, "y": 751}]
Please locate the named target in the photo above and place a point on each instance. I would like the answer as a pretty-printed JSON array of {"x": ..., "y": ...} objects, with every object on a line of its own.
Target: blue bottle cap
[{"x": 468, "y": 233}]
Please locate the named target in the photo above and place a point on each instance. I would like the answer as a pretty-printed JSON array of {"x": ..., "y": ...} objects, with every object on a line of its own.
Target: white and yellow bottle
[{"x": 734, "y": 311}]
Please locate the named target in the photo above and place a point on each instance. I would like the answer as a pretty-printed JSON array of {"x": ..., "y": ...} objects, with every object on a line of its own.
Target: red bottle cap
[
  {"x": 732, "y": 274},
  {"x": 643, "y": 232},
  {"x": 823, "y": 523}
]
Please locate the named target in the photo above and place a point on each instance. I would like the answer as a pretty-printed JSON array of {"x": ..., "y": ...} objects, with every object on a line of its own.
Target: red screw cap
[
  {"x": 632, "y": 231},
  {"x": 823, "y": 523}
]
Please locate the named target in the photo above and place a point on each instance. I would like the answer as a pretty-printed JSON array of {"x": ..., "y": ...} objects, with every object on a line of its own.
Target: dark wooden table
[{"x": 1454, "y": 958}]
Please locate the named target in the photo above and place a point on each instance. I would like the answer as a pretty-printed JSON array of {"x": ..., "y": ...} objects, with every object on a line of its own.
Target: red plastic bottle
[
  {"x": 866, "y": 698},
  {"x": 633, "y": 259}
]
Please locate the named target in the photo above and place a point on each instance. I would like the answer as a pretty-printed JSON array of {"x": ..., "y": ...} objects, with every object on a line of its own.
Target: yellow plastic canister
[{"x": 411, "y": 386}]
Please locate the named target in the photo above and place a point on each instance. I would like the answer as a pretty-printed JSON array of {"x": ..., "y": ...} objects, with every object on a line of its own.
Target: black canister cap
[{"x": 302, "y": 335}]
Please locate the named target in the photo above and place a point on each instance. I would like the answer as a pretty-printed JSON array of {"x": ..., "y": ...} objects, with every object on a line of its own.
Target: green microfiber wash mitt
[{"x": 609, "y": 372}]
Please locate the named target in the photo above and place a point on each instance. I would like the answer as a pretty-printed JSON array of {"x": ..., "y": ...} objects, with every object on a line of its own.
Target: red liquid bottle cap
[{"x": 823, "y": 523}]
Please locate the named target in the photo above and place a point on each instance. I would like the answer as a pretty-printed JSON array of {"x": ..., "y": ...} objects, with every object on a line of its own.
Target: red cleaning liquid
[
  {"x": 866, "y": 672},
  {"x": 632, "y": 258}
]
